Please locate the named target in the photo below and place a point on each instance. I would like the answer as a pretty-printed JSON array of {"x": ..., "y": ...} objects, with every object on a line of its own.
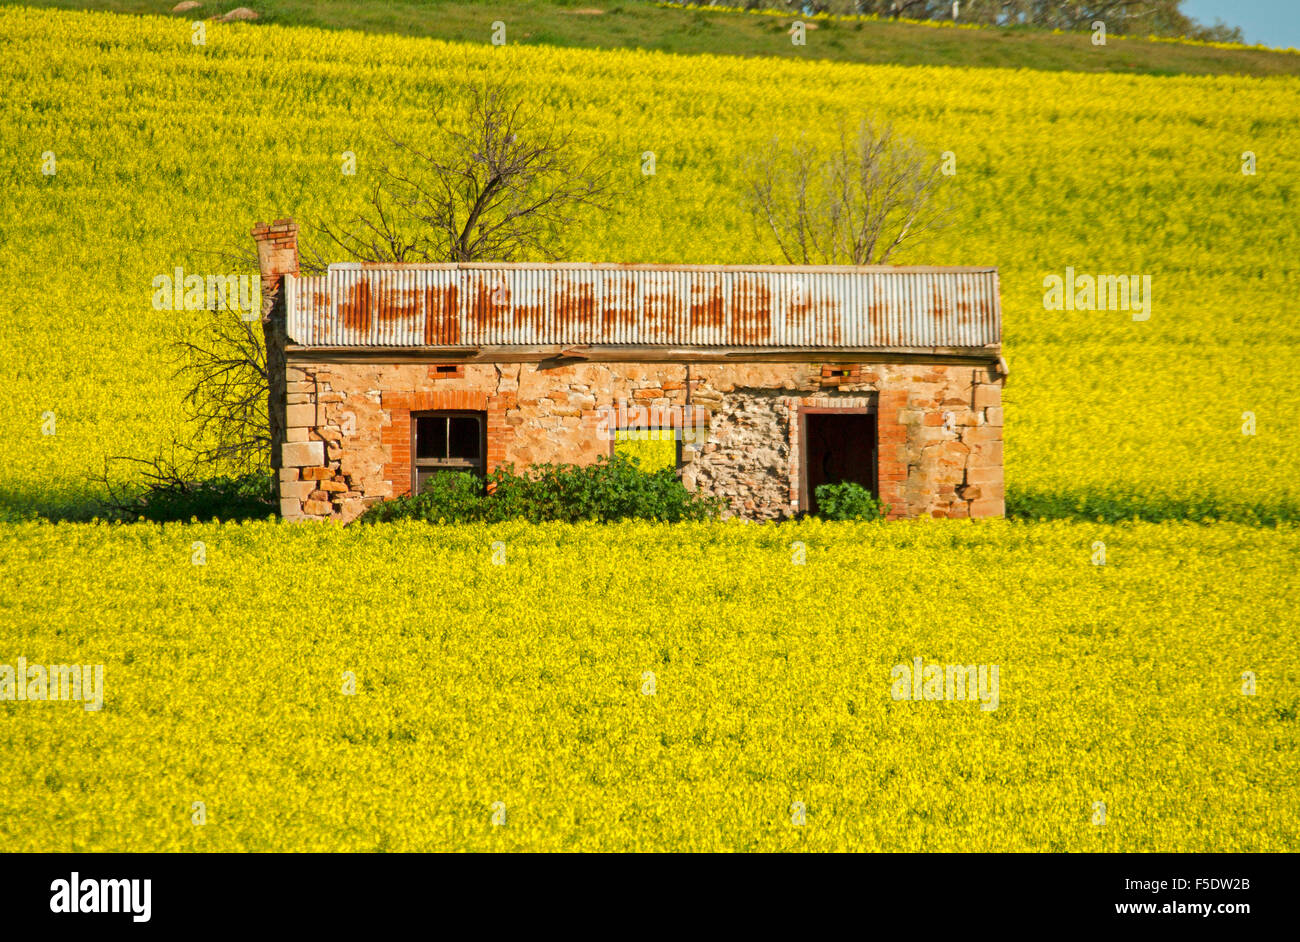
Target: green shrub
[
  {"x": 848, "y": 501},
  {"x": 611, "y": 489}
]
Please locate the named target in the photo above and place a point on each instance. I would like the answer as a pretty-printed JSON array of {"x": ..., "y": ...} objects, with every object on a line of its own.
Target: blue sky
[{"x": 1272, "y": 22}]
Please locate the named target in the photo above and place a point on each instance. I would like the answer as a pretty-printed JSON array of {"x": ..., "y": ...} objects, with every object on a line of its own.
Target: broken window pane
[
  {"x": 463, "y": 442},
  {"x": 431, "y": 437}
]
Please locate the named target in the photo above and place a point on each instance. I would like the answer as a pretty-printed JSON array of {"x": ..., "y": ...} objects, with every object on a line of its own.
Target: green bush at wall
[
  {"x": 848, "y": 501},
  {"x": 613, "y": 488}
]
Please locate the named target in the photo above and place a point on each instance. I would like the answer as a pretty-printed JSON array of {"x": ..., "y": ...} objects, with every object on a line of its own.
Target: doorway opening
[{"x": 837, "y": 446}]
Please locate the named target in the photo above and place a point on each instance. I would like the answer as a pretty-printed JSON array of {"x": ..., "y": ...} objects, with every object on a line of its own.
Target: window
[{"x": 446, "y": 441}]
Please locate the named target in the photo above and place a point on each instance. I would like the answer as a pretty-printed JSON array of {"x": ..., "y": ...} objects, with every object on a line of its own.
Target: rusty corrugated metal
[{"x": 355, "y": 305}]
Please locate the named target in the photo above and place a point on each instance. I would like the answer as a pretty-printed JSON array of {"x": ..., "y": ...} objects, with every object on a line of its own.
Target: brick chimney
[{"x": 277, "y": 256}]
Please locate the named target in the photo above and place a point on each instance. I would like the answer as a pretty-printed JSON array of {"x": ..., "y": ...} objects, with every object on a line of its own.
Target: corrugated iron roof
[{"x": 463, "y": 305}]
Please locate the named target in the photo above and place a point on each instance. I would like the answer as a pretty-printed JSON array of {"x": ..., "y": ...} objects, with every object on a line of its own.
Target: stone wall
[
  {"x": 746, "y": 458},
  {"x": 347, "y": 438}
]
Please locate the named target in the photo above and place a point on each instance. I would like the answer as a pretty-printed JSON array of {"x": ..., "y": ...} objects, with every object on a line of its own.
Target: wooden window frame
[{"x": 418, "y": 464}]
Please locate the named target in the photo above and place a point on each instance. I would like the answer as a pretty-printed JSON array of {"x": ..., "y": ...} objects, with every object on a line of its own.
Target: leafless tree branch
[
  {"x": 500, "y": 186},
  {"x": 853, "y": 204},
  {"x": 501, "y": 183}
]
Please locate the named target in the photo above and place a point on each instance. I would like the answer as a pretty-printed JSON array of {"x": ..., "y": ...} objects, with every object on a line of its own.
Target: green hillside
[{"x": 636, "y": 24}]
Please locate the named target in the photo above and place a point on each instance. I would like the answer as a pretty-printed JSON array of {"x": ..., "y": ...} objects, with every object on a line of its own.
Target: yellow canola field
[{"x": 653, "y": 687}]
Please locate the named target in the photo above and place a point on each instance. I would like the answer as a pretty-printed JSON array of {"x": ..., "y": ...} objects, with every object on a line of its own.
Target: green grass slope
[{"x": 636, "y": 24}]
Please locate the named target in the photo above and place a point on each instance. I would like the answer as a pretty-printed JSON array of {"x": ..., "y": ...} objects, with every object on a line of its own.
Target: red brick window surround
[{"x": 397, "y": 439}]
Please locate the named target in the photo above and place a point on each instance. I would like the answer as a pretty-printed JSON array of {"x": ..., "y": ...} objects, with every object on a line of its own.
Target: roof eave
[{"x": 643, "y": 353}]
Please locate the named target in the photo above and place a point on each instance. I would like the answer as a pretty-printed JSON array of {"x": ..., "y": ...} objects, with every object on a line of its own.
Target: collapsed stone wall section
[{"x": 746, "y": 459}]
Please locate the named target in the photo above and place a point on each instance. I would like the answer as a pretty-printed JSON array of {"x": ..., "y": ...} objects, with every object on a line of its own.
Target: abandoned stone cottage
[{"x": 771, "y": 380}]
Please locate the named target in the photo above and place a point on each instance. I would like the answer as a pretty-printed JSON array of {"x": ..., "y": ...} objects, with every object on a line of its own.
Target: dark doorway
[{"x": 838, "y": 446}]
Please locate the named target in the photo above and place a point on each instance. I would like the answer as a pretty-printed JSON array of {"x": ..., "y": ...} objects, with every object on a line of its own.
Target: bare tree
[
  {"x": 222, "y": 361},
  {"x": 502, "y": 183},
  {"x": 853, "y": 204},
  {"x": 505, "y": 186},
  {"x": 223, "y": 365}
]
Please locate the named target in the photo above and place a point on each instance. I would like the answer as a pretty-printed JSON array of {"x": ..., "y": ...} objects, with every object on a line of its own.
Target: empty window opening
[{"x": 654, "y": 448}]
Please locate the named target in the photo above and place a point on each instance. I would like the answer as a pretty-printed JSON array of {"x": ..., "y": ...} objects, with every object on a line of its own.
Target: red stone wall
[{"x": 347, "y": 440}]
